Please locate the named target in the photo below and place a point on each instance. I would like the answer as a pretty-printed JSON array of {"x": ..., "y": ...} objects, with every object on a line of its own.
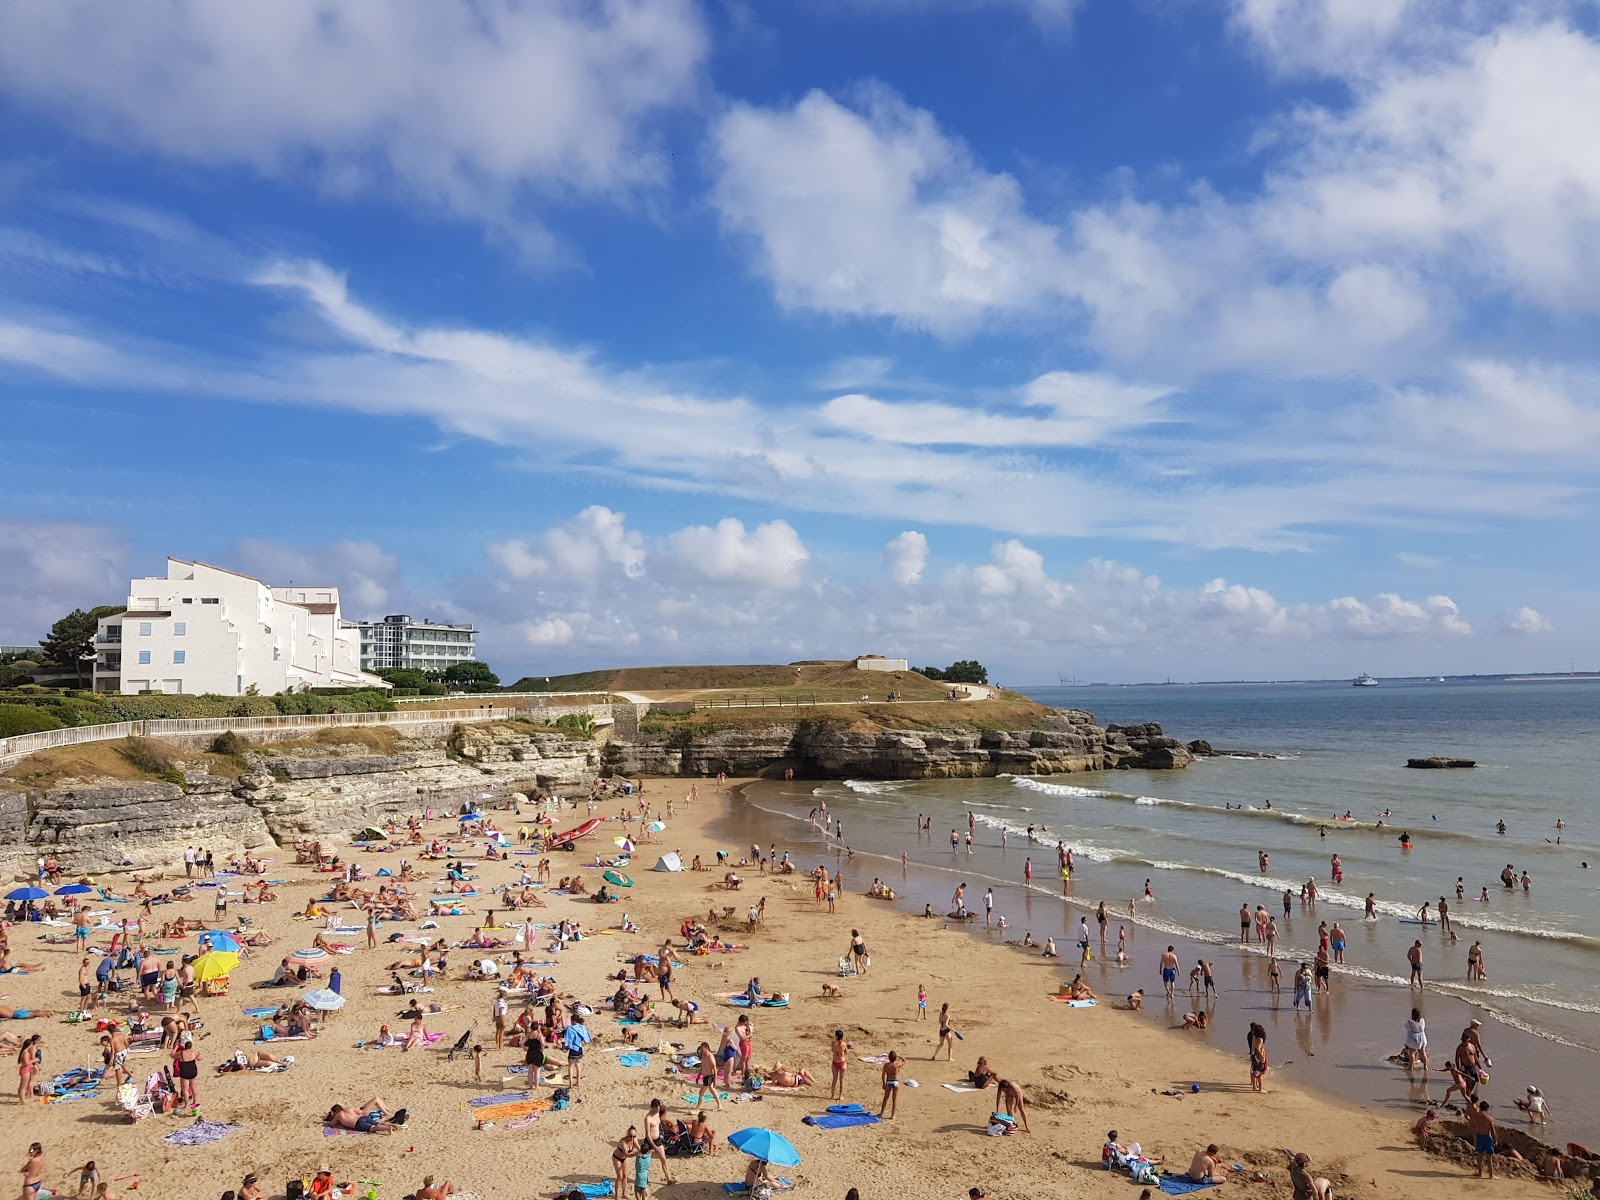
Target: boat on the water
[{"x": 1363, "y": 680}]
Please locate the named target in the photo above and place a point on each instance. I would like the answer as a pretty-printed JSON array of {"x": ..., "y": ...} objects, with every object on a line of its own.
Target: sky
[{"x": 1118, "y": 339}]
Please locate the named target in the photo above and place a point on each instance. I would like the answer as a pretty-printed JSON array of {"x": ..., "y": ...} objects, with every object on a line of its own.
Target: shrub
[
  {"x": 230, "y": 743},
  {"x": 150, "y": 758},
  {"x": 25, "y": 718},
  {"x": 576, "y": 725}
]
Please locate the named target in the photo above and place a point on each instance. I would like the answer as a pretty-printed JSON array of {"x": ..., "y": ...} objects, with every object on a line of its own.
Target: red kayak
[{"x": 572, "y": 835}]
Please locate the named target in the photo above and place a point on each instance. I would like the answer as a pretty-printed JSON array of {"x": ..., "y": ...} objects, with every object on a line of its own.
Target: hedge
[
  {"x": 22, "y": 718},
  {"x": 104, "y": 709}
]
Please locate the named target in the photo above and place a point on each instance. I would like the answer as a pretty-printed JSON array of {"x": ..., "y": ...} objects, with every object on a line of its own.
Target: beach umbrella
[
  {"x": 658, "y": 826},
  {"x": 465, "y": 817},
  {"x": 311, "y": 954},
  {"x": 214, "y": 964},
  {"x": 215, "y": 939},
  {"x": 324, "y": 1000},
  {"x": 27, "y": 893},
  {"x": 766, "y": 1145},
  {"x": 372, "y": 834},
  {"x": 74, "y": 889},
  {"x": 617, "y": 879}
]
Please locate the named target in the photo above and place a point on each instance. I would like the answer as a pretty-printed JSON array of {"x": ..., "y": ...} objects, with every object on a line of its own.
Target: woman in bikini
[
  {"x": 891, "y": 1085},
  {"x": 627, "y": 1148},
  {"x": 947, "y": 1035},
  {"x": 841, "y": 1049},
  {"x": 708, "y": 1075},
  {"x": 27, "y": 1068}
]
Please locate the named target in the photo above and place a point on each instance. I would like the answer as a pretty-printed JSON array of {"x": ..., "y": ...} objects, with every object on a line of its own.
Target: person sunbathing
[
  {"x": 783, "y": 1076},
  {"x": 248, "y": 1060},
  {"x": 432, "y": 1191},
  {"x": 983, "y": 1074},
  {"x": 701, "y": 1136},
  {"x": 8, "y": 1013},
  {"x": 371, "y": 1117},
  {"x": 577, "y": 887}
]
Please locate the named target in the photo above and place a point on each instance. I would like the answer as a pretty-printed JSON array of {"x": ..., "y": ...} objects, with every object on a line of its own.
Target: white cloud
[
  {"x": 1529, "y": 621},
  {"x": 365, "y": 574},
  {"x": 768, "y": 556},
  {"x": 1325, "y": 35},
  {"x": 593, "y": 541},
  {"x": 482, "y": 111},
  {"x": 878, "y": 213},
  {"x": 550, "y": 632},
  {"x": 906, "y": 557},
  {"x": 48, "y": 568}
]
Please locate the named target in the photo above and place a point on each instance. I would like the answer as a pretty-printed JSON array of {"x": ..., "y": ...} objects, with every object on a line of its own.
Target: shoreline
[
  {"x": 1342, "y": 1048},
  {"x": 1083, "y": 1071}
]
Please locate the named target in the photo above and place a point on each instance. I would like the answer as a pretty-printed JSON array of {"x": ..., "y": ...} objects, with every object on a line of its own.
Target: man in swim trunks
[
  {"x": 1336, "y": 940},
  {"x": 1481, "y": 1126},
  {"x": 1244, "y": 924},
  {"x": 1169, "y": 971}
]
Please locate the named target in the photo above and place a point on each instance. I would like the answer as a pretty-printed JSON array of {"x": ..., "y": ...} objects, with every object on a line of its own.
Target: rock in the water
[
  {"x": 1439, "y": 763},
  {"x": 1201, "y": 748}
]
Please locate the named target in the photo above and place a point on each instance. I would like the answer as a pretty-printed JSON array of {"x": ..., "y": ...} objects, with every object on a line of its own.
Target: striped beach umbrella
[{"x": 311, "y": 954}]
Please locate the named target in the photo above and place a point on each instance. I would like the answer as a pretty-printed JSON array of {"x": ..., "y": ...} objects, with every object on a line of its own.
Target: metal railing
[
  {"x": 490, "y": 697},
  {"x": 13, "y": 749}
]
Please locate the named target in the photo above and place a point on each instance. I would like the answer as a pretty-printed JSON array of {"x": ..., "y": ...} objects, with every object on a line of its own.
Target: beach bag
[
  {"x": 1142, "y": 1172},
  {"x": 560, "y": 1099},
  {"x": 295, "y": 1189}
]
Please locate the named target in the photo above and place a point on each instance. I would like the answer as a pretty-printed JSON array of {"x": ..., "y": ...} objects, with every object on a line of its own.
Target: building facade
[
  {"x": 398, "y": 643},
  {"x": 202, "y": 629}
]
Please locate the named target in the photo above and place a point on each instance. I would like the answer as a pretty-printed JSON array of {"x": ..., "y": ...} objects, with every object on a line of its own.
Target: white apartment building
[
  {"x": 399, "y": 643},
  {"x": 203, "y": 629}
]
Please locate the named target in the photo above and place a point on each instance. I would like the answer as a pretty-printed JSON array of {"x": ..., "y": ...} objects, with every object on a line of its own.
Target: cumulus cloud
[
  {"x": 1390, "y": 615},
  {"x": 48, "y": 568},
  {"x": 1529, "y": 621},
  {"x": 906, "y": 557},
  {"x": 365, "y": 574},
  {"x": 768, "y": 556},
  {"x": 596, "y": 540},
  {"x": 481, "y": 112}
]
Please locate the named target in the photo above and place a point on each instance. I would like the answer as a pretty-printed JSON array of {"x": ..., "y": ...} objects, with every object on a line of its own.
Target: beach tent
[{"x": 669, "y": 862}]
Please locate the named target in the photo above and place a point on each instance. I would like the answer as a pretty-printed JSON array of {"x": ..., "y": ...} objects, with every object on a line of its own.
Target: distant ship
[{"x": 1364, "y": 680}]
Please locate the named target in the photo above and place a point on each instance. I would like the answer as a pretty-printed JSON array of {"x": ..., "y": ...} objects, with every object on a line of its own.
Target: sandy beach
[{"x": 1083, "y": 1071}]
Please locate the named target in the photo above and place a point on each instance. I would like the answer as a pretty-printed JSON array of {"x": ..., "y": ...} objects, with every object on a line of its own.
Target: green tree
[
  {"x": 70, "y": 646},
  {"x": 471, "y": 676},
  {"x": 968, "y": 670},
  {"x": 931, "y": 672},
  {"x": 404, "y": 677}
]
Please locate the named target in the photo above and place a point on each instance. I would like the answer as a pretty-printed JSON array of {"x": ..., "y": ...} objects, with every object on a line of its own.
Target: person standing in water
[
  {"x": 1337, "y": 942},
  {"x": 1414, "y": 957},
  {"x": 1169, "y": 972}
]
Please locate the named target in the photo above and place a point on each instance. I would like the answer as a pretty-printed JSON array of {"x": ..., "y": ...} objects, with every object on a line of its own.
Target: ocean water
[{"x": 1196, "y": 835}]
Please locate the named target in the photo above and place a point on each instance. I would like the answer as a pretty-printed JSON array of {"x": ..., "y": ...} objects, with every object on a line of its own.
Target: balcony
[{"x": 108, "y": 640}]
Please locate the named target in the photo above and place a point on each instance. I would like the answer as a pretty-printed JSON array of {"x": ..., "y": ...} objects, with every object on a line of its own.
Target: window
[
  {"x": 210, "y": 600},
  {"x": 180, "y": 629},
  {"x": 179, "y": 656},
  {"x": 144, "y": 628},
  {"x": 144, "y": 658}
]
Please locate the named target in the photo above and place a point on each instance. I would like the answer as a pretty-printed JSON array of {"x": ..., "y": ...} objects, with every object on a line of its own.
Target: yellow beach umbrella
[{"x": 214, "y": 964}]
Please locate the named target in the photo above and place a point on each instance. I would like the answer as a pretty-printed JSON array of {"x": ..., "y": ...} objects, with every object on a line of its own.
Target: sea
[{"x": 1304, "y": 771}]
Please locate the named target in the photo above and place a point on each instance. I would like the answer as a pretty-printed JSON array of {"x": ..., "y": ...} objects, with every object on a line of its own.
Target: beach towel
[
  {"x": 1177, "y": 1185},
  {"x": 1070, "y": 1003},
  {"x": 691, "y": 1098},
  {"x": 634, "y": 1060},
  {"x": 739, "y": 1189},
  {"x": 335, "y": 1130},
  {"x": 873, "y": 1058},
  {"x": 505, "y": 1112},
  {"x": 200, "y": 1133},
  {"x": 498, "y": 1098},
  {"x": 594, "y": 1190},
  {"x": 259, "y": 1012},
  {"x": 839, "y": 1120},
  {"x": 962, "y": 1087}
]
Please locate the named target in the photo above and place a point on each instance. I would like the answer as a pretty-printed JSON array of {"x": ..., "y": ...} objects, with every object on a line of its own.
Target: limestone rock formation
[
  {"x": 1146, "y": 746},
  {"x": 1439, "y": 763}
]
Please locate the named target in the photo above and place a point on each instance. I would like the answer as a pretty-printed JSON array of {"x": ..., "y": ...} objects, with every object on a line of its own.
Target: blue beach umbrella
[
  {"x": 28, "y": 893},
  {"x": 465, "y": 817},
  {"x": 74, "y": 889},
  {"x": 765, "y": 1145},
  {"x": 217, "y": 940}
]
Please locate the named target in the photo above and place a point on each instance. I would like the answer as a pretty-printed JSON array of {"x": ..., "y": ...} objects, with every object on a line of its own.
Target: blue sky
[{"x": 1126, "y": 340}]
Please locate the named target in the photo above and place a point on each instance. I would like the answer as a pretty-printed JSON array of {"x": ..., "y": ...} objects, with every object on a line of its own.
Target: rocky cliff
[
  {"x": 290, "y": 792},
  {"x": 1068, "y": 741},
  {"x": 285, "y": 794}
]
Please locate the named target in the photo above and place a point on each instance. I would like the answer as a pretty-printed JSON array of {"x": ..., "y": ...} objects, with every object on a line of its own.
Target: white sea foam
[{"x": 875, "y": 787}]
